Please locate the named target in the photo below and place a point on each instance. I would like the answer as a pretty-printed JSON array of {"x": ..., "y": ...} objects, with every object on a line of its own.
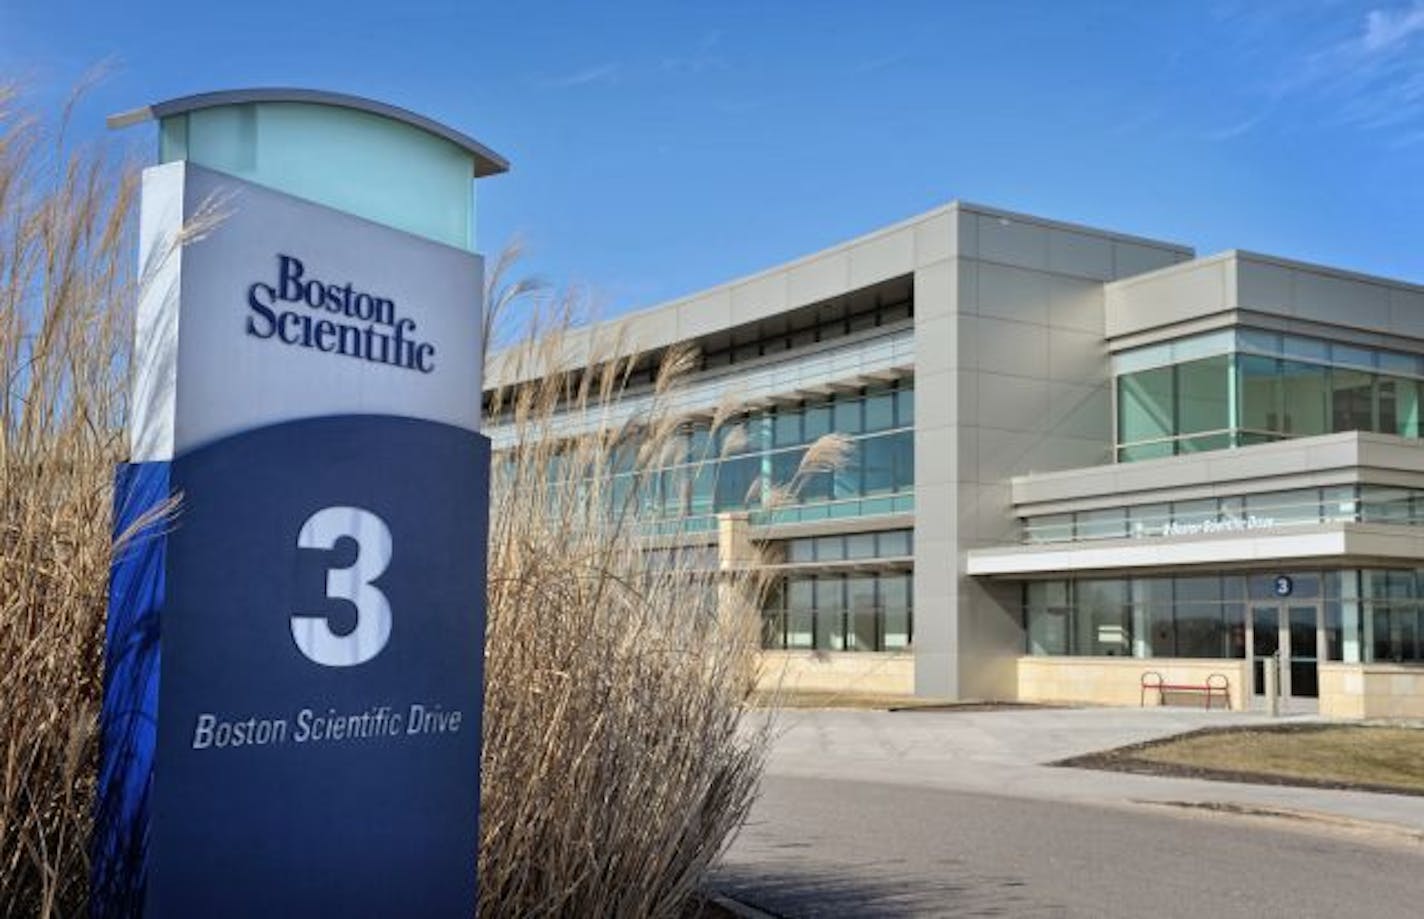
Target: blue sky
[{"x": 659, "y": 148}]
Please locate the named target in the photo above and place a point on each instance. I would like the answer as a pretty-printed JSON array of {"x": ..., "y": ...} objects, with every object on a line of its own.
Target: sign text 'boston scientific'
[{"x": 377, "y": 333}]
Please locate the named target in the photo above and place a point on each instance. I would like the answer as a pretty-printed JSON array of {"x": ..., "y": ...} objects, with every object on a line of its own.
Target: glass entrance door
[
  {"x": 1302, "y": 679},
  {"x": 1291, "y": 628}
]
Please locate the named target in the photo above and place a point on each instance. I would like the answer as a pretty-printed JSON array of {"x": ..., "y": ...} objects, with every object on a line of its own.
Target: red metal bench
[{"x": 1215, "y": 683}]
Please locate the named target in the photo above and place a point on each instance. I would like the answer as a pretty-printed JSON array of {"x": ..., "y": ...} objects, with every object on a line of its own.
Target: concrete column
[
  {"x": 937, "y": 477},
  {"x": 739, "y": 582}
]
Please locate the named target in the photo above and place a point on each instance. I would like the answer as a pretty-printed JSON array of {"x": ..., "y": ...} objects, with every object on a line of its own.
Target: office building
[{"x": 1078, "y": 456}]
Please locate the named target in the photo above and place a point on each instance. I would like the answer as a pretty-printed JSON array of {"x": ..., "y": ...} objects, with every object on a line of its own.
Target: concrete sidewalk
[{"x": 1006, "y": 753}]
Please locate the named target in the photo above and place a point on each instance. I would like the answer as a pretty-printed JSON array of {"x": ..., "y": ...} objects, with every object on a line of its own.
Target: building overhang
[
  {"x": 1341, "y": 544},
  {"x": 1345, "y": 458},
  {"x": 1189, "y": 296}
]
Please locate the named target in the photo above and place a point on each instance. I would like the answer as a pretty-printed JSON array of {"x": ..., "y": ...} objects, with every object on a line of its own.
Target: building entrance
[{"x": 1291, "y": 627}]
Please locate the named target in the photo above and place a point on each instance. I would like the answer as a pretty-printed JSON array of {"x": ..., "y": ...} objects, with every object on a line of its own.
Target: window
[
  {"x": 817, "y": 421},
  {"x": 846, "y": 415},
  {"x": 1192, "y": 515},
  {"x": 1387, "y": 505},
  {"x": 786, "y": 427},
  {"x": 860, "y": 545},
  {"x": 862, "y": 611},
  {"x": 1145, "y": 406},
  {"x": 1284, "y": 507},
  {"x": 894, "y": 543},
  {"x": 1259, "y": 391},
  {"x": 736, "y": 483},
  {"x": 1202, "y": 622},
  {"x": 830, "y": 613},
  {"x": 879, "y": 410},
  {"x": 1105, "y": 524},
  {"x": 1148, "y": 519},
  {"x": 878, "y": 457},
  {"x": 800, "y": 613},
  {"x": 830, "y": 549},
  {"x": 895, "y": 606},
  {"x": 1199, "y": 617},
  {"x": 905, "y": 407},
  {"x": 1390, "y": 505},
  {"x": 1049, "y": 528},
  {"x": 784, "y": 465},
  {"x": 1351, "y": 400},
  {"x": 1303, "y": 389},
  {"x": 1048, "y": 614},
  {"x": 1203, "y": 395},
  {"x": 1104, "y": 624},
  {"x": 1178, "y": 397},
  {"x": 834, "y": 612}
]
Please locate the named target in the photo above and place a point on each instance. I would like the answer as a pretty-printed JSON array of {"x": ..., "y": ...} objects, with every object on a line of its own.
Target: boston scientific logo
[{"x": 368, "y": 327}]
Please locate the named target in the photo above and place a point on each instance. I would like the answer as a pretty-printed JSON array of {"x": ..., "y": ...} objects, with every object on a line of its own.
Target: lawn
[
  {"x": 875, "y": 701},
  {"x": 1366, "y": 757},
  {"x": 849, "y": 698}
]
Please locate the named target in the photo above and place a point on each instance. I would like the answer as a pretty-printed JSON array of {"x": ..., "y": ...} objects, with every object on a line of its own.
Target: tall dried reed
[
  {"x": 65, "y": 294},
  {"x": 618, "y": 762}
]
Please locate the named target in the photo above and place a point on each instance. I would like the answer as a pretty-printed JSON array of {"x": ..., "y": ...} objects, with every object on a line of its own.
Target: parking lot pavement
[
  {"x": 1007, "y": 752},
  {"x": 830, "y": 847},
  {"x": 955, "y": 813}
]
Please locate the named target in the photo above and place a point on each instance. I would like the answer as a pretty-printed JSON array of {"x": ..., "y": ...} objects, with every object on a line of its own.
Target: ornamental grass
[
  {"x": 619, "y": 756},
  {"x": 66, "y": 292}
]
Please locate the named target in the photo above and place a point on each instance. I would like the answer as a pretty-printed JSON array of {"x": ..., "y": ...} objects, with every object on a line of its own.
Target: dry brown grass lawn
[
  {"x": 824, "y": 698},
  {"x": 858, "y": 700},
  {"x": 1374, "y": 757}
]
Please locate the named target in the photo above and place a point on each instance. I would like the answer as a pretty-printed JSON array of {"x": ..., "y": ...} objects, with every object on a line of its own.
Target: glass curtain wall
[
  {"x": 1367, "y": 615},
  {"x": 854, "y": 611},
  {"x": 1263, "y": 387},
  {"x": 747, "y": 460},
  {"x": 1137, "y": 617}
]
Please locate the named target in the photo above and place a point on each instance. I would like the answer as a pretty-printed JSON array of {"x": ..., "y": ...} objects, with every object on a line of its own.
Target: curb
[{"x": 1402, "y": 832}]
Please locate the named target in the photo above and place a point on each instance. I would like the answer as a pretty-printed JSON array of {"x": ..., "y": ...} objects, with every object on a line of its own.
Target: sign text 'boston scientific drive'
[{"x": 379, "y": 723}]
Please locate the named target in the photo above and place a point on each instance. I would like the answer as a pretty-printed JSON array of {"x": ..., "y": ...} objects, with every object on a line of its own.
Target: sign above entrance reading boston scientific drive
[{"x": 307, "y": 384}]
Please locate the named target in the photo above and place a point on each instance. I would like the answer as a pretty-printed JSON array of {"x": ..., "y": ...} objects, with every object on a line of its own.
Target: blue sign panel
[
  {"x": 294, "y": 672},
  {"x": 1283, "y": 586},
  {"x": 319, "y": 708}
]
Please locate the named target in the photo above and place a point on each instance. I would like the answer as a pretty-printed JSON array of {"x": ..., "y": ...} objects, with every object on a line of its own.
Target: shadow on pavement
[{"x": 870, "y": 889}]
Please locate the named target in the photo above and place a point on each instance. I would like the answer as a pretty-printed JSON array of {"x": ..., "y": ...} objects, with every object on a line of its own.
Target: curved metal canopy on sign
[{"x": 487, "y": 162}]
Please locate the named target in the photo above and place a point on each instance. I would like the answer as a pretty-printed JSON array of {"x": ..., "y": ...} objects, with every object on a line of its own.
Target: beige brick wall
[
  {"x": 1117, "y": 680},
  {"x": 889, "y": 673},
  {"x": 1371, "y": 691}
]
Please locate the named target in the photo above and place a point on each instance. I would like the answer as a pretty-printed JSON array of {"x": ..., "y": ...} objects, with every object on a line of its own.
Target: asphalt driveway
[{"x": 949, "y": 813}]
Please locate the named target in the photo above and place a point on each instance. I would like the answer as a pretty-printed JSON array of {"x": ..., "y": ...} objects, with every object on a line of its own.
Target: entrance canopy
[
  {"x": 1341, "y": 544},
  {"x": 1352, "y": 499}
]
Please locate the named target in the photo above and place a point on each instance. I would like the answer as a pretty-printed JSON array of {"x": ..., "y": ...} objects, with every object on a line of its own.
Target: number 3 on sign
[{"x": 311, "y": 631}]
